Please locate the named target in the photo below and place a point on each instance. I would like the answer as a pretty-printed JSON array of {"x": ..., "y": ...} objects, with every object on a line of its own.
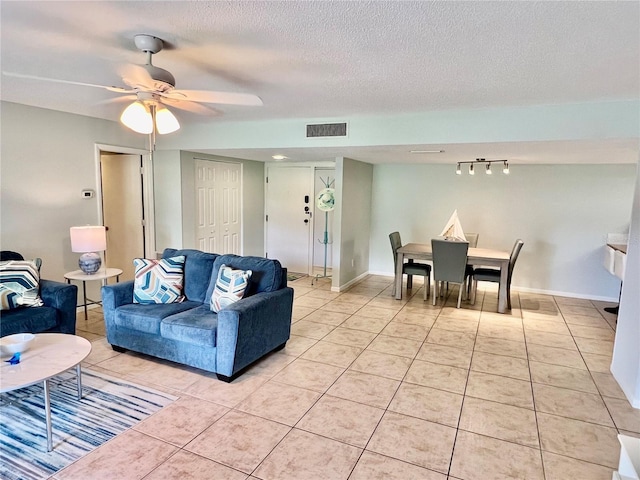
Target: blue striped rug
[{"x": 109, "y": 406}]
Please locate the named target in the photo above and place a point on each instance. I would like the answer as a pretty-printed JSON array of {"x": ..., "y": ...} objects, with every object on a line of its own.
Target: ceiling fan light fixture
[
  {"x": 166, "y": 122},
  {"x": 137, "y": 118}
]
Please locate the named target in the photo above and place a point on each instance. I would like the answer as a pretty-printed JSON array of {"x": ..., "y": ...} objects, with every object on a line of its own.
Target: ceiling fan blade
[
  {"x": 190, "y": 106},
  {"x": 136, "y": 76},
  {"x": 206, "y": 96},
  {"x": 122, "y": 99},
  {"x": 70, "y": 82}
]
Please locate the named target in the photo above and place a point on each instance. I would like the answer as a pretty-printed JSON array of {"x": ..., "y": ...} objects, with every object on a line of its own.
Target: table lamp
[{"x": 89, "y": 240}]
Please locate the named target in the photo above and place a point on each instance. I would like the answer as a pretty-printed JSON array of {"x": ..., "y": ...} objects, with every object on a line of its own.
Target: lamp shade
[
  {"x": 166, "y": 122},
  {"x": 88, "y": 239},
  {"x": 137, "y": 118}
]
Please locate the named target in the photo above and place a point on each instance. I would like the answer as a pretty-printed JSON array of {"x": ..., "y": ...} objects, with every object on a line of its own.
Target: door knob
[{"x": 306, "y": 220}]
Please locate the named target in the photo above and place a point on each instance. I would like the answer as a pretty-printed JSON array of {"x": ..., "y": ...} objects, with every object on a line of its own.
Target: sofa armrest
[
  {"x": 63, "y": 297},
  {"x": 251, "y": 328},
  {"x": 115, "y": 295}
]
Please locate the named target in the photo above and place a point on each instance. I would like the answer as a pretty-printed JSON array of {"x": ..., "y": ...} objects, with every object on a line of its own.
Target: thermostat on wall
[{"x": 87, "y": 193}]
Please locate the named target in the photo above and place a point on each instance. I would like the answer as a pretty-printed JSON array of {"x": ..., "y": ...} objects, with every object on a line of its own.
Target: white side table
[{"x": 102, "y": 274}]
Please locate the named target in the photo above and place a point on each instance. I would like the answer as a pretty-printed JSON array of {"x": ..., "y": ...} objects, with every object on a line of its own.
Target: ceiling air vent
[{"x": 327, "y": 130}]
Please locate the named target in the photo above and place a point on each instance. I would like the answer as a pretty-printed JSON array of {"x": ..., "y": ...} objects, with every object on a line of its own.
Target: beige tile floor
[{"x": 369, "y": 387}]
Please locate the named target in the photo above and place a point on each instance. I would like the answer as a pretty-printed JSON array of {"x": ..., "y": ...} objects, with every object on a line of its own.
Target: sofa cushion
[
  {"x": 158, "y": 281},
  {"x": 197, "y": 326},
  {"x": 229, "y": 288},
  {"x": 28, "y": 320},
  {"x": 147, "y": 318},
  {"x": 266, "y": 273},
  {"x": 197, "y": 272},
  {"x": 19, "y": 284}
]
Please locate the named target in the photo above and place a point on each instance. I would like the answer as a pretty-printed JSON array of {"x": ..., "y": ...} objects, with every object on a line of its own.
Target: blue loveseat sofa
[{"x": 189, "y": 332}]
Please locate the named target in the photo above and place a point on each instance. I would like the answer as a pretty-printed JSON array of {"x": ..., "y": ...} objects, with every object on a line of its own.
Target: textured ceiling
[{"x": 320, "y": 59}]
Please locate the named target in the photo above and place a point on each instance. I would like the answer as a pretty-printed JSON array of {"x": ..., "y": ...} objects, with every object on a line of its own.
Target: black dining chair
[
  {"x": 411, "y": 268},
  {"x": 449, "y": 265},
  {"x": 488, "y": 274}
]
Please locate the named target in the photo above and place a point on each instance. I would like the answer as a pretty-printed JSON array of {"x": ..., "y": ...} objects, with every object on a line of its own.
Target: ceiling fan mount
[
  {"x": 163, "y": 80},
  {"x": 148, "y": 43}
]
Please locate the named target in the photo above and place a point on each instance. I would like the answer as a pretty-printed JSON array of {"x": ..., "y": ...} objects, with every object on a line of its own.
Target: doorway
[
  {"x": 289, "y": 212},
  {"x": 125, "y": 203}
]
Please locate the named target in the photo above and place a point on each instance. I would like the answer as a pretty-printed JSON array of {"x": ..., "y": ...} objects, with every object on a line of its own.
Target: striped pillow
[
  {"x": 230, "y": 287},
  {"x": 158, "y": 281},
  {"x": 19, "y": 284}
]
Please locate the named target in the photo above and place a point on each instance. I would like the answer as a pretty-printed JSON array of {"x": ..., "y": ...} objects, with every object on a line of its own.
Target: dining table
[{"x": 476, "y": 256}]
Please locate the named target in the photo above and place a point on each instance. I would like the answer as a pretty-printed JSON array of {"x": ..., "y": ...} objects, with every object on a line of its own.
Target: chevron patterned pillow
[
  {"x": 19, "y": 284},
  {"x": 230, "y": 287},
  {"x": 158, "y": 281}
]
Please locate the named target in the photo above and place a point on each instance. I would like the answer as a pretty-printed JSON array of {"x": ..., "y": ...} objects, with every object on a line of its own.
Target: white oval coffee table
[{"x": 49, "y": 354}]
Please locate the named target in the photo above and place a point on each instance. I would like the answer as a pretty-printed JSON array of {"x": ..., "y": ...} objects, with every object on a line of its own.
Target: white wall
[
  {"x": 167, "y": 199},
  {"x": 48, "y": 158},
  {"x": 562, "y": 212},
  {"x": 175, "y": 199},
  {"x": 352, "y": 220},
  {"x": 585, "y": 121},
  {"x": 626, "y": 353}
]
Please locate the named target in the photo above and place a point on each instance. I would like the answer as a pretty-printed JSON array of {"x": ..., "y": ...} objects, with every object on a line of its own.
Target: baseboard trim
[
  {"x": 555, "y": 293},
  {"x": 350, "y": 283}
]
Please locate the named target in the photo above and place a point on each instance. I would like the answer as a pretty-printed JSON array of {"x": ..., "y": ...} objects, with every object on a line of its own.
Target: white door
[
  {"x": 289, "y": 203},
  {"x": 123, "y": 210},
  {"x": 218, "y": 204}
]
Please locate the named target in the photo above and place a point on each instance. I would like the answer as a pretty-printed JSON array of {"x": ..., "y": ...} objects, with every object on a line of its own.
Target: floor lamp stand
[{"x": 326, "y": 242}]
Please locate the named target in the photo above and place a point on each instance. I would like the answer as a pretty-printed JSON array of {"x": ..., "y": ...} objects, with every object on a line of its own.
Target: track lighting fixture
[{"x": 486, "y": 163}]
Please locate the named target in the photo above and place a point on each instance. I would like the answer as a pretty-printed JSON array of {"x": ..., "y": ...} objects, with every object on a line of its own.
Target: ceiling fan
[{"x": 152, "y": 87}]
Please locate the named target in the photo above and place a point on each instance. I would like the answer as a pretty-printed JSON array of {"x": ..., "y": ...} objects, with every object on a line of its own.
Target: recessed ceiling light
[
  {"x": 427, "y": 151},
  {"x": 278, "y": 157}
]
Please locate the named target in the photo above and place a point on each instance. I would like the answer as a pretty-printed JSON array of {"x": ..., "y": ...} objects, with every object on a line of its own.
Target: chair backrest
[
  {"x": 396, "y": 243},
  {"x": 472, "y": 238},
  {"x": 9, "y": 255},
  {"x": 449, "y": 260},
  {"x": 514, "y": 256}
]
